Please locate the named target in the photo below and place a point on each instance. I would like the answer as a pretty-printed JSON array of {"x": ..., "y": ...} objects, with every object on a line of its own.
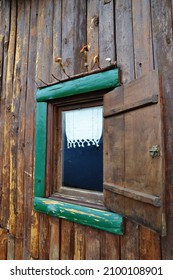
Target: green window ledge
[
  {"x": 99, "y": 219},
  {"x": 104, "y": 220}
]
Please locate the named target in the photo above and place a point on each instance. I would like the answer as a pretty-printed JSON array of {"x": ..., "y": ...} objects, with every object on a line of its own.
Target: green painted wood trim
[
  {"x": 40, "y": 149},
  {"x": 99, "y": 219},
  {"x": 104, "y": 80}
]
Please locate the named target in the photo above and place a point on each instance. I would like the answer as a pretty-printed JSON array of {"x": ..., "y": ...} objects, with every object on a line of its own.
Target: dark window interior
[
  {"x": 82, "y": 148},
  {"x": 83, "y": 167}
]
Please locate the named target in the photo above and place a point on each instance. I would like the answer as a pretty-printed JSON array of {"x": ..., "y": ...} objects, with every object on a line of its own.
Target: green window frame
[{"x": 95, "y": 81}]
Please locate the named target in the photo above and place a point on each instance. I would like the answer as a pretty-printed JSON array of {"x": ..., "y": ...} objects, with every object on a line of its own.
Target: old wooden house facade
[{"x": 137, "y": 36}]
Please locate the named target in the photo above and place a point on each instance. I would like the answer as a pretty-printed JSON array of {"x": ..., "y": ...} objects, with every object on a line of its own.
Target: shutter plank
[
  {"x": 147, "y": 198},
  {"x": 133, "y": 106},
  {"x": 136, "y": 191},
  {"x": 114, "y": 148}
]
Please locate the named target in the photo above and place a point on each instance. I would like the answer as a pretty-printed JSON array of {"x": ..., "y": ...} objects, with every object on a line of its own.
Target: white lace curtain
[{"x": 84, "y": 127}]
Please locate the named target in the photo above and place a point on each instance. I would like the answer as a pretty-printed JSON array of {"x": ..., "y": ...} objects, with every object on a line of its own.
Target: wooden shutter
[{"x": 134, "y": 152}]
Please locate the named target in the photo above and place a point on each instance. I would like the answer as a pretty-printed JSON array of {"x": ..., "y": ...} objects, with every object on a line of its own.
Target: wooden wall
[{"x": 136, "y": 33}]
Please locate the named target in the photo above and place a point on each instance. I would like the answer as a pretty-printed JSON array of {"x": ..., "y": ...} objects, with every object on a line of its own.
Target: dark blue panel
[{"x": 83, "y": 167}]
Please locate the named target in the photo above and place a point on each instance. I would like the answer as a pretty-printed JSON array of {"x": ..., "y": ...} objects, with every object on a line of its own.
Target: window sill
[{"x": 103, "y": 220}]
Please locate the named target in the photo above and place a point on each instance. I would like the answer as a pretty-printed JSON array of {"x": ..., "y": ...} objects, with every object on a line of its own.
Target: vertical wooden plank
[
  {"x": 7, "y": 125},
  {"x": 57, "y": 39},
  {"x": 1, "y": 64},
  {"x": 11, "y": 247},
  {"x": 15, "y": 120},
  {"x": 18, "y": 254},
  {"x": 68, "y": 36},
  {"x": 3, "y": 244},
  {"x": 1, "y": 115},
  {"x": 93, "y": 33},
  {"x": 1, "y": 74},
  {"x": 143, "y": 53},
  {"x": 4, "y": 31},
  {"x": 93, "y": 241},
  {"x": 44, "y": 41},
  {"x": 114, "y": 147},
  {"x": 149, "y": 245},
  {"x": 130, "y": 242},
  {"x": 34, "y": 241},
  {"x": 44, "y": 237},
  {"x": 73, "y": 35},
  {"x": 24, "y": 20},
  {"x": 44, "y": 72},
  {"x": 29, "y": 139},
  {"x": 80, "y": 31},
  {"x": 163, "y": 59},
  {"x": 110, "y": 246},
  {"x": 54, "y": 253},
  {"x": 79, "y": 242},
  {"x": 67, "y": 240},
  {"x": 106, "y": 32},
  {"x": 124, "y": 39}
]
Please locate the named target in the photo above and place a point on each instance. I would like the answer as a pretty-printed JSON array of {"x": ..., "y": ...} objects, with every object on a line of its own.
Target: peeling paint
[{"x": 99, "y": 219}]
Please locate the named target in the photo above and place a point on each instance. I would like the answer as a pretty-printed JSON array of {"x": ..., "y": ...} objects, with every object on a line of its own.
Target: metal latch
[{"x": 154, "y": 151}]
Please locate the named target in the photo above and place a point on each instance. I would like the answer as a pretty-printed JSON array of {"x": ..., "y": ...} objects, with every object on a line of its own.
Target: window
[
  {"x": 77, "y": 149},
  {"x": 133, "y": 151},
  {"x": 57, "y": 193}
]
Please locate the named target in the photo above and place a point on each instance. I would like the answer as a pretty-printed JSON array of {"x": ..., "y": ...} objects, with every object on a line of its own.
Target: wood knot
[
  {"x": 8, "y": 108},
  {"x": 65, "y": 41},
  {"x": 168, "y": 41},
  {"x": 107, "y": 1},
  {"x": 94, "y": 22}
]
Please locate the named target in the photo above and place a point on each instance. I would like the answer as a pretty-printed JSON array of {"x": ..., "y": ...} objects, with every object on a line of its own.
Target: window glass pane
[{"x": 83, "y": 148}]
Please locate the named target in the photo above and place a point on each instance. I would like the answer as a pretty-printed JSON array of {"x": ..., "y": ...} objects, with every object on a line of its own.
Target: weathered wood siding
[{"x": 136, "y": 33}]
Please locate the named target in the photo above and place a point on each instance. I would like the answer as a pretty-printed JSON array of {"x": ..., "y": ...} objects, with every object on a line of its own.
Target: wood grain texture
[
  {"x": 93, "y": 241},
  {"x": 18, "y": 123},
  {"x": 80, "y": 242},
  {"x": 106, "y": 33},
  {"x": 67, "y": 240},
  {"x": 54, "y": 250},
  {"x": 7, "y": 201},
  {"x": 4, "y": 33},
  {"x": 93, "y": 33},
  {"x": 110, "y": 246},
  {"x": 3, "y": 244},
  {"x": 1, "y": 62},
  {"x": 57, "y": 33},
  {"x": 142, "y": 36},
  {"x": 73, "y": 35},
  {"x": 34, "y": 239},
  {"x": 29, "y": 132},
  {"x": 1, "y": 113},
  {"x": 149, "y": 245},
  {"x": 44, "y": 237},
  {"x": 130, "y": 242},
  {"x": 44, "y": 62},
  {"x": 163, "y": 59},
  {"x": 10, "y": 247},
  {"x": 44, "y": 58},
  {"x": 124, "y": 39}
]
